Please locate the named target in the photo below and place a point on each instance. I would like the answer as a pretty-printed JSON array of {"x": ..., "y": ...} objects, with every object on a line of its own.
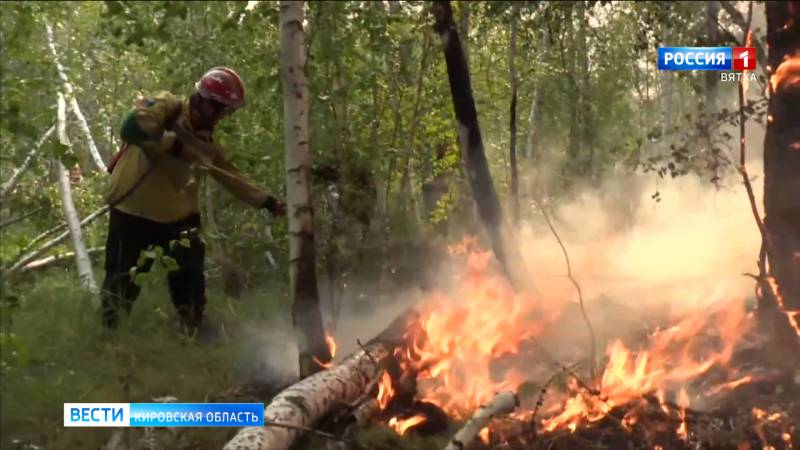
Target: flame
[
  {"x": 730, "y": 385},
  {"x": 385, "y": 390},
  {"x": 792, "y": 316},
  {"x": 401, "y": 426},
  {"x": 668, "y": 360},
  {"x": 787, "y": 74},
  {"x": 485, "y": 321},
  {"x": 461, "y": 356},
  {"x": 331, "y": 348},
  {"x": 683, "y": 402},
  {"x": 484, "y": 435}
]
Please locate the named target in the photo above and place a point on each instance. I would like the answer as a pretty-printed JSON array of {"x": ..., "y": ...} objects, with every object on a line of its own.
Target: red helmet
[{"x": 223, "y": 85}]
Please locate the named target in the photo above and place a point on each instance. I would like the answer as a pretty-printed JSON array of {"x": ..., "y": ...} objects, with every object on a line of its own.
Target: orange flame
[
  {"x": 683, "y": 402},
  {"x": 484, "y": 435},
  {"x": 401, "y": 426},
  {"x": 385, "y": 390},
  {"x": 787, "y": 74},
  {"x": 458, "y": 357},
  {"x": 331, "y": 348},
  {"x": 730, "y": 385},
  {"x": 669, "y": 360},
  {"x": 462, "y": 337}
]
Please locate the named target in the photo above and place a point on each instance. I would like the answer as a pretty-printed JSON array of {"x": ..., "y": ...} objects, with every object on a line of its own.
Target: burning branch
[
  {"x": 304, "y": 404},
  {"x": 592, "y": 341},
  {"x": 503, "y": 403}
]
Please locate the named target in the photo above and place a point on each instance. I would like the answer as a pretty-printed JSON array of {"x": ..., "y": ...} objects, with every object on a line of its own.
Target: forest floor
[{"x": 55, "y": 351}]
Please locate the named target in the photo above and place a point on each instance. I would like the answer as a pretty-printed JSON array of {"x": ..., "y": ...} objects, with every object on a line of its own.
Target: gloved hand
[{"x": 275, "y": 206}]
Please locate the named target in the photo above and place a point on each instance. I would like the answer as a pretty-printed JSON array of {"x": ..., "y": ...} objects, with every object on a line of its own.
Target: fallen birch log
[
  {"x": 305, "y": 403},
  {"x": 503, "y": 403},
  {"x": 52, "y": 260},
  {"x": 29, "y": 257}
]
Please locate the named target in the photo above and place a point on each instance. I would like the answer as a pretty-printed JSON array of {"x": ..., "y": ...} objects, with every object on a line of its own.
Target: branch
[
  {"x": 592, "y": 341},
  {"x": 23, "y": 260},
  {"x": 9, "y": 185},
  {"x": 55, "y": 259},
  {"x": 21, "y": 218},
  {"x": 502, "y": 403}
]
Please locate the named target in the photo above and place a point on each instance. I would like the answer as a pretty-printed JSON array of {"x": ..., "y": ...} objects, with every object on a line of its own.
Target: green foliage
[{"x": 54, "y": 350}]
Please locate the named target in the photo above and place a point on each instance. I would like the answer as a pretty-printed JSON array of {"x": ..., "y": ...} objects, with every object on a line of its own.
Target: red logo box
[{"x": 744, "y": 58}]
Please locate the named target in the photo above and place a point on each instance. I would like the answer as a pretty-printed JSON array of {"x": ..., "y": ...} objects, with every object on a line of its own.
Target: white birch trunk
[
  {"x": 535, "y": 104},
  {"x": 9, "y": 185},
  {"x": 67, "y": 205},
  {"x": 305, "y": 403},
  {"x": 503, "y": 403},
  {"x": 26, "y": 258},
  {"x": 306, "y": 313},
  {"x": 73, "y": 102}
]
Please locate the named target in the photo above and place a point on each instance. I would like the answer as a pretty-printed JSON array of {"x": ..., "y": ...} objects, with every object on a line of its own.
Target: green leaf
[{"x": 169, "y": 263}]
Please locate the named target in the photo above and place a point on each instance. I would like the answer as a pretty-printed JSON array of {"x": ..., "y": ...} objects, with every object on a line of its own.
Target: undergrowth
[{"x": 55, "y": 351}]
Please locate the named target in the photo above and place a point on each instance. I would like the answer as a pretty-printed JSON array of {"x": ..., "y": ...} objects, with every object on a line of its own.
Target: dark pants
[{"x": 127, "y": 236}]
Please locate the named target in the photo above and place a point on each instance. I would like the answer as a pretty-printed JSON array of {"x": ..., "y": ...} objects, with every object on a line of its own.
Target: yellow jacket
[{"x": 153, "y": 179}]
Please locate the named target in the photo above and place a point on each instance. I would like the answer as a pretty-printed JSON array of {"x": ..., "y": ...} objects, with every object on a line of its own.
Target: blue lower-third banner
[{"x": 163, "y": 414}]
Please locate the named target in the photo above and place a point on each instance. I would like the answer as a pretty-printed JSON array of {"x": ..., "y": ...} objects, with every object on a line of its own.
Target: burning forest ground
[{"x": 682, "y": 363}]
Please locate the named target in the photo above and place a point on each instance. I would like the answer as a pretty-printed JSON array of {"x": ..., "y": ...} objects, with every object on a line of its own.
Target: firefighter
[{"x": 155, "y": 180}]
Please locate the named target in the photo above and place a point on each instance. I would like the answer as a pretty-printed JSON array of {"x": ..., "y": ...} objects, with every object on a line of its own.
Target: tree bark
[
  {"x": 305, "y": 403},
  {"x": 512, "y": 153},
  {"x": 471, "y": 142},
  {"x": 70, "y": 213},
  {"x": 306, "y": 314},
  {"x": 9, "y": 185},
  {"x": 782, "y": 150},
  {"x": 73, "y": 102}
]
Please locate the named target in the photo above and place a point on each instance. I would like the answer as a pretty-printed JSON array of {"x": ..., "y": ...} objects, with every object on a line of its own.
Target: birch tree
[
  {"x": 9, "y": 185},
  {"x": 68, "y": 206},
  {"x": 306, "y": 315},
  {"x": 73, "y": 102}
]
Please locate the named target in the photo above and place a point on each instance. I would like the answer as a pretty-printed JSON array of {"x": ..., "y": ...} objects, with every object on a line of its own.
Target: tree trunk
[
  {"x": 67, "y": 205},
  {"x": 9, "y": 185},
  {"x": 305, "y": 403},
  {"x": 536, "y": 102},
  {"x": 469, "y": 134},
  {"x": 782, "y": 151},
  {"x": 73, "y": 103},
  {"x": 306, "y": 314},
  {"x": 512, "y": 153},
  {"x": 463, "y": 28}
]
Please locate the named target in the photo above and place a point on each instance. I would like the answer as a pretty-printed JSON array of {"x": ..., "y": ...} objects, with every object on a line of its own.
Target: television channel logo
[{"x": 707, "y": 58}]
